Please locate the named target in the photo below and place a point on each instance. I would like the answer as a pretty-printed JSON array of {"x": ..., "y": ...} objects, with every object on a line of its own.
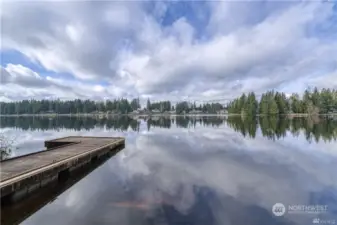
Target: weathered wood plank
[{"x": 36, "y": 166}]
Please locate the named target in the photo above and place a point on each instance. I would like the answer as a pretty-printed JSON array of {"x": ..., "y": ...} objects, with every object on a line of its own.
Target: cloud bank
[{"x": 199, "y": 50}]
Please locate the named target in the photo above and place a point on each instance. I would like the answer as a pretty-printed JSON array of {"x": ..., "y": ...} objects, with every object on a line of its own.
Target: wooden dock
[
  {"x": 24, "y": 174},
  {"x": 20, "y": 210}
]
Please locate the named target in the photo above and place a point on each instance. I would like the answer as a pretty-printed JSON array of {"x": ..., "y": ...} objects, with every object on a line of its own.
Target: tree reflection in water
[{"x": 273, "y": 127}]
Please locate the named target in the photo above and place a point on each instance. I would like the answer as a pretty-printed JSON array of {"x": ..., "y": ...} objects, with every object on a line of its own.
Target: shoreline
[
  {"x": 108, "y": 115},
  {"x": 160, "y": 114}
]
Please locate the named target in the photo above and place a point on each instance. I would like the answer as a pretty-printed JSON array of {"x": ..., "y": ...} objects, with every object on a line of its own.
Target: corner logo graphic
[{"x": 279, "y": 209}]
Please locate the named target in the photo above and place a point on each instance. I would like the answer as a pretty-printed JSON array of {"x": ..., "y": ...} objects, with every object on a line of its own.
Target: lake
[{"x": 190, "y": 170}]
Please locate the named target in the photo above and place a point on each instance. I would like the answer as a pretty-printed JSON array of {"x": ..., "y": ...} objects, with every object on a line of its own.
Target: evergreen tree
[
  {"x": 273, "y": 108},
  {"x": 315, "y": 102},
  {"x": 264, "y": 105},
  {"x": 251, "y": 105},
  {"x": 148, "y": 105}
]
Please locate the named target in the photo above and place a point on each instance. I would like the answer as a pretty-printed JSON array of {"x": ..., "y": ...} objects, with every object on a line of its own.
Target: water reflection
[
  {"x": 276, "y": 127},
  {"x": 66, "y": 122},
  {"x": 199, "y": 171},
  {"x": 314, "y": 128}
]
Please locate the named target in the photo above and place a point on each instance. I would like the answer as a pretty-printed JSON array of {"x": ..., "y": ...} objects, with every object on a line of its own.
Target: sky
[{"x": 165, "y": 50}]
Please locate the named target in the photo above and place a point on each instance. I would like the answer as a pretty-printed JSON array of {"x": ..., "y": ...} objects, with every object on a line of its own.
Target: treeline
[
  {"x": 187, "y": 107},
  {"x": 162, "y": 106},
  {"x": 184, "y": 107},
  {"x": 273, "y": 103},
  {"x": 270, "y": 103},
  {"x": 120, "y": 106},
  {"x": 68, "y": 107}
]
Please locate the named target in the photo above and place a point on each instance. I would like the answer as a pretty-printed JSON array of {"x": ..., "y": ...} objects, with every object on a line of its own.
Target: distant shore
[
  {"x": 154, "y": 114},
  {"x": 106, "y": 115}
]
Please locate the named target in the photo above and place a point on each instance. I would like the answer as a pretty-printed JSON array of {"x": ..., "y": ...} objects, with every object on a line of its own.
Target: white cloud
[
  {"x": 262, "y": 54},
  {"x": 99, "y": 88},
  {"x": 75, "y": 33},
  {"x": 242, "y": 47},
  {"x": 82, "y": 38},
  {"x": 21, "y": 75},
  {"x": 19, "y": 82},
  {"x": 327, "y": 81}
]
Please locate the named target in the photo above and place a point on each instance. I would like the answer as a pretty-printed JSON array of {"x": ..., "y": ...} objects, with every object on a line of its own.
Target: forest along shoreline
[
  {"x": 312, "y": 102},
  {"x": 162, "y": 115}
]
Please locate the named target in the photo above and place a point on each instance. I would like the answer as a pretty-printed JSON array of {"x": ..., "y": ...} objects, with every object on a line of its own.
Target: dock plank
[{"x": 19, "y": 166}]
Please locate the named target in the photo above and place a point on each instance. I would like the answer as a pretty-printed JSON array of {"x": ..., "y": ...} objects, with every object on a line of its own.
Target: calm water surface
[{"x": 182, "y": 170}]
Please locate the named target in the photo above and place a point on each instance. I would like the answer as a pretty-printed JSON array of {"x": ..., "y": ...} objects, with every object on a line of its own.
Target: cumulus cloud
[
  {"x": 138, "y": 48},
  {"x": 82, "y": 38},
  {"x": 19, "y": 82},
  {"x": 262, "y": 53},
  {"x": 23, "y": 76}
]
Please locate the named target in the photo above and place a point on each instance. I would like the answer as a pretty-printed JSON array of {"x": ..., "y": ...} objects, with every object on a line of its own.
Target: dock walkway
[{"x": 61, "y": 155}]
